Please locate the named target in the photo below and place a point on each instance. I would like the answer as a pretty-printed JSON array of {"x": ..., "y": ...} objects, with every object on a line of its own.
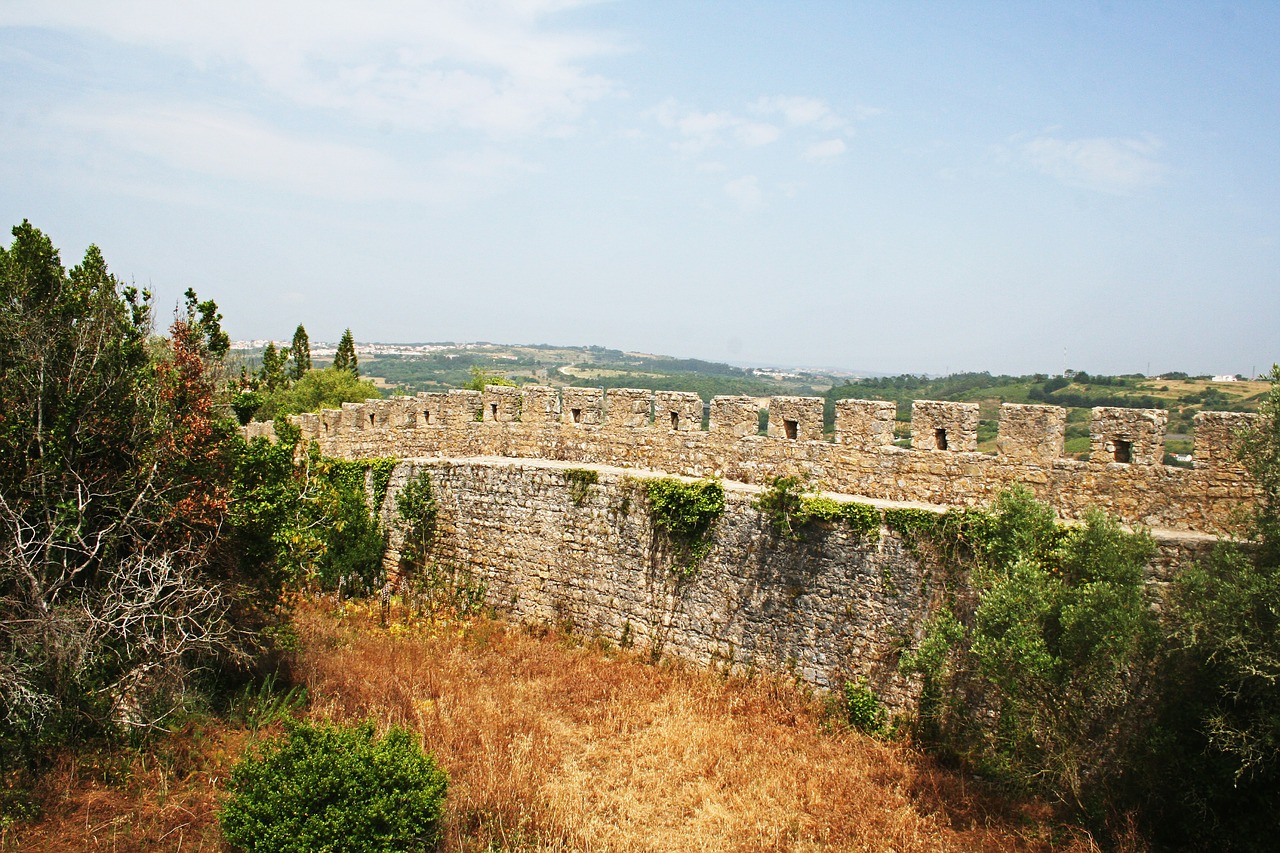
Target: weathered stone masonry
[
  {"x": 663, "y": 432},
  {"x": 828, "y": 607}
]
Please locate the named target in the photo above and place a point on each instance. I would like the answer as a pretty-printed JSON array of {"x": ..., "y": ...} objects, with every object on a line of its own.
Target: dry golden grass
[
  {"x": 552, "y": 745},
  {"x": 164, "y": 797}
]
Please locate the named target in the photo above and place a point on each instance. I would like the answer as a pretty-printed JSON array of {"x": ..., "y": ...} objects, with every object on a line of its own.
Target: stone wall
[
  {"x": 1123, "y": 476},
  {"x": 829, "y": 607}
]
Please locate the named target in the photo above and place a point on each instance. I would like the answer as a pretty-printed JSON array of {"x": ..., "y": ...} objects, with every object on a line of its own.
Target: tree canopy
[
  {"x": 300, "y": 354},
  {"x": 345, "y": 357}
]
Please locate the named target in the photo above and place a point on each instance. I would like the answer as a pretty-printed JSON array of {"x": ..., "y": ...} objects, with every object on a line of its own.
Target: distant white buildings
[{"x": 1224, "y": 378}]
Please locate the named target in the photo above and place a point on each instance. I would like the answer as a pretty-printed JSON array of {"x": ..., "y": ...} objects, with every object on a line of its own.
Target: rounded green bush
[{"x": 335, "y": 788}]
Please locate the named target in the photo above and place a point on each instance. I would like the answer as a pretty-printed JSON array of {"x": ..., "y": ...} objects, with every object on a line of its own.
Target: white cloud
[
  {"x": 697, "y": 132},
  {"x": 800, "y": 111},
  {"x": 1113, "y": 165},
  {"x": 753, "y": 134},
  {"x": 228, "y": 145},
  {"x": 745, "y": 191},
  {"x": 828, "y": 149},
  {"x": 495, "y": 67}
]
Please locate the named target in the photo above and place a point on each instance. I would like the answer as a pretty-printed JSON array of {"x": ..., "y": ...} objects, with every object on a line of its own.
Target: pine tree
[
  {"x": 301, "y": 352},
  {"x": 345, "y": 357},
  {"x": 271, "y": 376}
]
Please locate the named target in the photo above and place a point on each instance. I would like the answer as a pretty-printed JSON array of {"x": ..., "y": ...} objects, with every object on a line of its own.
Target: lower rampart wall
[{"x": 829, "y": 607}]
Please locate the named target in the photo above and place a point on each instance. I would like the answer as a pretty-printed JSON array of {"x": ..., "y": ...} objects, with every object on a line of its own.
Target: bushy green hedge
[{"x": 335, "y": 788}]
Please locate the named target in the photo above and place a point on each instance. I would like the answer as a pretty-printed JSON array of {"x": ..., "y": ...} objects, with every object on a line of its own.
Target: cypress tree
[
  {"x": 272, "y": 376},
  {"x": 301, "y": 352},
  {"x": 345, "y": 357}
]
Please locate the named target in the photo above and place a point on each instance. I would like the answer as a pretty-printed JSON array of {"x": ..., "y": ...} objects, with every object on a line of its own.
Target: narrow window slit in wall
[
  {"x": 371, "y": 419},
  {"x": 675, "y": 420},
  {"x": 426, "y": 416},
  {"x": 493, "y": 410},
  {"x": 576, "y": 414},
  {"x": 1124, "y": 451},
  {"x": 791, "y": 428},
  {"x": 940, "y": 438}
]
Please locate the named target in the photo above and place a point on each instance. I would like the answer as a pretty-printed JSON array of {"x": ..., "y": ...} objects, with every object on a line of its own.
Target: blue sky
[{"x": 889, "y": 187}]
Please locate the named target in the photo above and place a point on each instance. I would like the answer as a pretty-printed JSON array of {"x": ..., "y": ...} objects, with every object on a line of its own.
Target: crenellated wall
[{"x": 662, "y": 431}]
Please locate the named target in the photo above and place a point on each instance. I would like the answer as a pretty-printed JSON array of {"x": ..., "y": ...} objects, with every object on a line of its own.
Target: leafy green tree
[
  {"x": 112, "y": 493},
  {"x": 1038, "y": 676},
  {"x": 272, "y": 375},
  {"x": 480, "y": 378},
  {"x": 345, "y": 357},
  {"x": 300, "y": 354},
  {"x": 318, "y": 389},
  {"x": 1217, "y": 769}
]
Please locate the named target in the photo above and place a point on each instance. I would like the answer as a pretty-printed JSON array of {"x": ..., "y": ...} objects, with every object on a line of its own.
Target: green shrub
[
  {"x": 789, "y": 510},
  {"x": 861, "y": 518},
  {"x": 863, "y": 709},
  {"x": 335, "y": 788},
  {"x": 416, "y": 506},
  {"x": 781, "y": 504},
  {"x": 1032, "y": 674},
  {"x": 684, "y": 514}
]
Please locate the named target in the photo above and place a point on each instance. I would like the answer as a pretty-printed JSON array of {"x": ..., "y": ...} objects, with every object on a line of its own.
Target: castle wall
[
  {"x": 829, "y": 607},
  {"x": 1123, "y": 476}
]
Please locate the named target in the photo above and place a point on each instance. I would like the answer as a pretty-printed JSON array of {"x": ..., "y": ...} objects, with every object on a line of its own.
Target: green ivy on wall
[{"x": 684, "y": 513}]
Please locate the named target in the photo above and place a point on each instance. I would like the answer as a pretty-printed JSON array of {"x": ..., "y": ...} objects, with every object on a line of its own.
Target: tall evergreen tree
[
  {"x": 345, "y": 357},
  {"x": 301, "y": 353},
  {"x": 272, "y": 375}
]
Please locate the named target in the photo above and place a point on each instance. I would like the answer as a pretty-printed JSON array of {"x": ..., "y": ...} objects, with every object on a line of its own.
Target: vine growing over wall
[
  {"x": 580, "y": 481},
  {"x": 684, "y": 513},
  {"x": 789, "y": 510},
  {"x": 417, "y": 509}
]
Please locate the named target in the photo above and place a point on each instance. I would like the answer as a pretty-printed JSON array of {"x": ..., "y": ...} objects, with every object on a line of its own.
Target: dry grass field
[{"x": 552, "y": 744}]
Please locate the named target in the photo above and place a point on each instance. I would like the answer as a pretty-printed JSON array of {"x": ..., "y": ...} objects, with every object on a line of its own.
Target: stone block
[
  {"x": 795, "y": 418},
  {"x": 331, "y": 421},
  {"x": 462, "y": 406},
  {"x": 540, "y": 404},
  {"x": 582, "y": 406},
  {"x": 944, "y": 426},
  {"x": 356, "y": 416},
  {"x": 309, "y": 425},
  {"x": 501, "y": 403},
  {"x": 1031, "y": 433},
  {"x": 1217, "y": 437},
  {"x": 735, "y": 416},
  {"x": 1130, "y": 436},
  {"x": 865, "y": 424},
  {"x": 628, "y": 407},
  {"x": 677, "y": 410},
  {"x": 430, "y": 408}
]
